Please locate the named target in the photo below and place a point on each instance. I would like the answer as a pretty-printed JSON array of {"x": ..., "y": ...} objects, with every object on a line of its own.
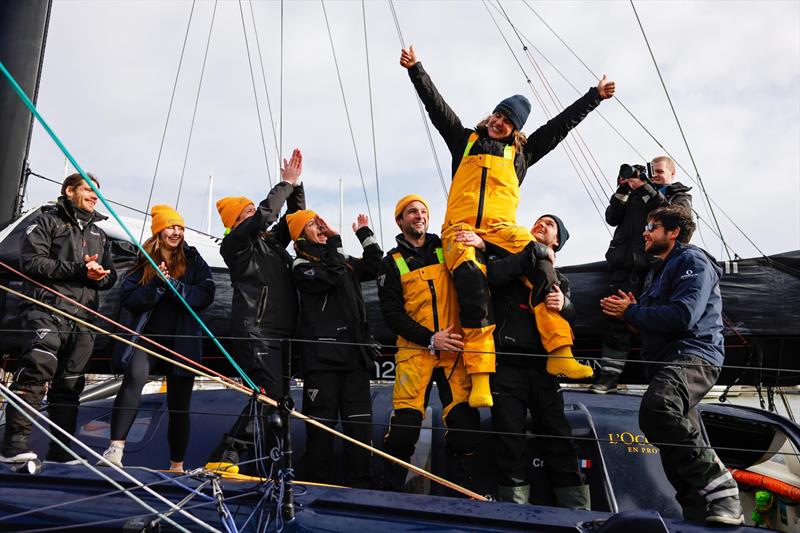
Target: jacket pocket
[
  {"x": 331, "y": 333},
  {"x": 262, "y": 304}
]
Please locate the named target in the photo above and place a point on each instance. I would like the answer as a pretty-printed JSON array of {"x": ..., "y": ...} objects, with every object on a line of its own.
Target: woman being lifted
[{"x": 489, "y": 164}]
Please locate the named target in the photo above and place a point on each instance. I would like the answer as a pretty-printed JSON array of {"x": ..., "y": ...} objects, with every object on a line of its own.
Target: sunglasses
[{"x": 651, "y": 226}]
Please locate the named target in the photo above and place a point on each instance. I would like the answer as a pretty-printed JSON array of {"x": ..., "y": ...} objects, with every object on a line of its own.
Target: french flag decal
[{"x": 586, "y": 463}]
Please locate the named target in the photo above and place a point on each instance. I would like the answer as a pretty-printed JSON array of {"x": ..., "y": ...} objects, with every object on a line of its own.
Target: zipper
[
  {"x": 434, "y": 306},
  {"x": 480, "y": 198},
  {"x": 262, "y": 304}
]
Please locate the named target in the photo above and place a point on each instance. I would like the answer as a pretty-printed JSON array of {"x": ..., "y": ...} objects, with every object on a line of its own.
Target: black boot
[{"x": 726, "y": 511}]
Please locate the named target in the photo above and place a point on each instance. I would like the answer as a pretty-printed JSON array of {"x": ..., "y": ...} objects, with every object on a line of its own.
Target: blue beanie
[
  {"x": 563, "y": 234},
  {"x": 516, "y": 108}
]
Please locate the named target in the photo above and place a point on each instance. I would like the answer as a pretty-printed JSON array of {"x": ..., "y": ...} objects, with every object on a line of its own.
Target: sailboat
[{"x": 623, "y": 469}]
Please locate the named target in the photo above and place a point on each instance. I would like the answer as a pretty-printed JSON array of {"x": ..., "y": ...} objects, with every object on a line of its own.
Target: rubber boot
[
  {"x": 561, "y": 362},
  {"x": 520, "y": 494},
  {"x": 573, "y": 497},
  {"x": 481, "y": 393}
]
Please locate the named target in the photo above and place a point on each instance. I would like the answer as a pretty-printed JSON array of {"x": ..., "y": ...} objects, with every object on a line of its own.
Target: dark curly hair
[{"x": 672, "y": 217}]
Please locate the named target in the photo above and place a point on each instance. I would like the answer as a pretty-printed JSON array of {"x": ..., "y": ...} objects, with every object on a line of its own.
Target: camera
[{"x": 642, "y": 172}]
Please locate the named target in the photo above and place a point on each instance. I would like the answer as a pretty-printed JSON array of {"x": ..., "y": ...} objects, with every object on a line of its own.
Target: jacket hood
[
  {"x": 65, "y": 206},
  {"x": 677, "y": 186}
]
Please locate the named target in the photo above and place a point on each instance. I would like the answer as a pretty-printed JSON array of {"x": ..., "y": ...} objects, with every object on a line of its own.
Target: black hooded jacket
[
  {"x": 627, "y": 211},
  {"x": 52, "y": 252},
  {"x": 264, "y": 296},
  {"x": 332, "y": 306}
]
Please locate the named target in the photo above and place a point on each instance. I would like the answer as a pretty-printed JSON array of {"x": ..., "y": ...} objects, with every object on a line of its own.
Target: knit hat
[
  {"x": 516, "y": 108},
  {"x": 562, "y": 233},
  {"x": 163, "y": 217},
  {"x": 297, "y": 221},
  {"x": 231, "y": 207},
  {"x": 405, "y": 200}
]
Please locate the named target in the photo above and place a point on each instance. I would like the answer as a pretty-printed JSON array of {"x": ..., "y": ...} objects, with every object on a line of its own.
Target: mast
[
  {"x": 23, "y": 31},
  {"x": 210, "y": 202}
]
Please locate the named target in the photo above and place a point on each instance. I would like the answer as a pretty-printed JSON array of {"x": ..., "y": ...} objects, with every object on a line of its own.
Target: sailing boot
[
  {"x": 561, "y": 362},
  {"x": 481, "y": 394},
  {"x": 15, "y": 440},
  {"x": 520, "y": 494},
  {"x": 726, "y": 511},
  {"x": 458, "y": 470},
  {"x": 574, "y": 497}
]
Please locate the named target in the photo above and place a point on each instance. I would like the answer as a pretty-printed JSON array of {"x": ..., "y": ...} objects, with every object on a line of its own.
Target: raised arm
[{"x": 366, "y": 267}]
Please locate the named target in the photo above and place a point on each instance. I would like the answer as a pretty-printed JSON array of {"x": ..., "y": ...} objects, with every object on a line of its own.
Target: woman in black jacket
[
  {"x": 338, "y": 361},
  {"x": 151, "y": 308}
]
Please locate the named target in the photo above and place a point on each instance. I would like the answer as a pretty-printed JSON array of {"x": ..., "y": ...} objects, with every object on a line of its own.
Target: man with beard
[
  {"x": 65, "y": 249},
  {"x": 679, "y": 317},
  {"x": 419, "y": 304},
  {"x": 627, "y": 261}
]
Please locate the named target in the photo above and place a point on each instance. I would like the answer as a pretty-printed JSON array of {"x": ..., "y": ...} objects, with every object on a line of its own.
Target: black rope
[
  {"x": 421, "y": 108},
  {"x": 255, "y": 94},
  {"x": 196, "y": 101},
  {"x": 372, "y": 123},
  {"x": 680, "y": 128},
  {"x": 346, "y": 109},
  {"x": 166, "y": 123}
]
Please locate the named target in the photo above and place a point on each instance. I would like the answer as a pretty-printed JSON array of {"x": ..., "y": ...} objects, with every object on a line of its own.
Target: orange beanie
[
  {"x": 163, "y": 217},
  {"x": 297, "y": 221},
  {"x": 231, "y": 207},
  {"x": 405, "y": 200}
]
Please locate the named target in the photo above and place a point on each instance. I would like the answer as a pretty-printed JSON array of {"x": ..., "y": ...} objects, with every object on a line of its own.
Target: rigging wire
[
  {"x": 421, "y": 108},
  {"x": 255, "y": 95},
  {"x": 280, "y": 117},
  {"x": 680, "y": 128},
  {"x": 565, "y": 146},
  {"x": 372, "y": 123},
  {"x": 23, "y": 407},
  {"x": 166, "y": 123},
  {"x": 196, "y": 102},
  {"x": 346, "y": 109},
  {"x": 266, "y": 89}
]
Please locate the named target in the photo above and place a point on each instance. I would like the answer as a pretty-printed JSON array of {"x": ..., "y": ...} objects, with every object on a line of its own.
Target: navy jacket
[
  {"x": 138, "y": 301},
  {"x": 680, "y": 310}
]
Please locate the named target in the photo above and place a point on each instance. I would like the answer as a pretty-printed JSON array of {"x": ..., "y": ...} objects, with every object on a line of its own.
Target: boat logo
[
  {"x": 689, "y": 274},
  {"x": 381, "y": 279},
  {"x": 312, "y": 394},
  {"x": 30, "y": 228},
  {"x": 309, "y": 272},
  {"x": 42, "y": 333}
]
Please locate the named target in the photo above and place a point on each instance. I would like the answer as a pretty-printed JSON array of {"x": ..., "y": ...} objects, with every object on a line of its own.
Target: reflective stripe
[
  {"x": 402, "y": 266},
  {"x": 716, "y": 482},
  {"x": 472, "y": 138},
  {"x": 358, "y": 416},
  {"x": 300, "y": 261},
  {"x": 508, "y": 153},
  {"x": 45, "y": 351},
  {"x": 369, "y": 241},
  {"x": 722, "y": 494},
  {"x": 440, "y": 255}
]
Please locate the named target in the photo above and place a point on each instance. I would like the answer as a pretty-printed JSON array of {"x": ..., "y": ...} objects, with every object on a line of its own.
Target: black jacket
[
  {"x": 456, "y": 136},
  {"x": 390, "y": 288},
  {"x": 52, "y": 252},
  {"x": 516, "y": 329},
  {"x": 628, "y": 210},
  {"x": 332, "y": 307},
  {"x": 196, "y": 286},
  {"x": 260, "y": 267}
]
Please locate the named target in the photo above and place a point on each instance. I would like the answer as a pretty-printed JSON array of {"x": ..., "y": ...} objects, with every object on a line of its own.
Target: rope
[
  {"x": 421, "y": 108},
  {"x": 249, "y": 392},
  {"x": 102, "y": 198},
  {"x": 166, "y": 123},
  {"x": 255, "y": 95},
  {"x": 372, "y": 123},
  {"x": 264, "y": 79},
  {"x": 346, "y": 109},
  {"x": 23, "y": 407},
  {"x": 196, "y": 101}
]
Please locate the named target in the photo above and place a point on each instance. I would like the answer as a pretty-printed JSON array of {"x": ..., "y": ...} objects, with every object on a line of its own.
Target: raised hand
[
  {"x": 408, "y": 58},
  {"x": 606, "y": 87},
  {"x": 361, "y": 222},
  {"x": 291, "y": 170},
  {"x": 324, "y": 228}
]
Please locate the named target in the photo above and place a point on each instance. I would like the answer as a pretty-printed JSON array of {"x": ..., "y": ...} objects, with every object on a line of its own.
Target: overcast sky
[{"x": 732, "y": 69}]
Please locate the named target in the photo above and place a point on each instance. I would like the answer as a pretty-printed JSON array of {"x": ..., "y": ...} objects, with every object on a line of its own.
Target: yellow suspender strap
[
  {"x": 508, "y": 152},
  {"x": 440, "y": 255},
  {"x": 400, "y": 261},
  {"x": 472, "y": 138}
]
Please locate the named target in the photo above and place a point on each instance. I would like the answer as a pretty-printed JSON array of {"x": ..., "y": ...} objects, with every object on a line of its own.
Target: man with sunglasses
[
  {"x": 627, "y": 211},
  {"x": 679, "y": 317}
]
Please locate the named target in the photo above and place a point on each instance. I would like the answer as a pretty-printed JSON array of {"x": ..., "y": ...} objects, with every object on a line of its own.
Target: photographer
[{"x": 636, "y": 196}]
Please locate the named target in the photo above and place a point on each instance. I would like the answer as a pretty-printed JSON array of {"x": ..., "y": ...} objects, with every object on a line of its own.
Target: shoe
[
  {"x": 113, "y": 455},
  {"x": 605, "y": 383},
  {"x": 726, "y": 511},
  {"x": 18, "y": 455},
  {"x": 227, "y": 463}
]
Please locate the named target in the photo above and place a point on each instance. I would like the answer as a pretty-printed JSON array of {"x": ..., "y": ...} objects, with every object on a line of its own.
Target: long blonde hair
[
  {"x": 520, "y": 139},
  {"x": 176, "y": 264}
]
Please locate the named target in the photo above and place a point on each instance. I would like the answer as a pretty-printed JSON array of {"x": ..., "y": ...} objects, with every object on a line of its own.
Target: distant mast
[
  {"x": 23, "y": 30},
  {"x": 210, "y": 202}
]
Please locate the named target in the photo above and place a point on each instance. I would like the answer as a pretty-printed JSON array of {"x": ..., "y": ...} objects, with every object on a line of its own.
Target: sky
[{"x": 732, "y": 70}]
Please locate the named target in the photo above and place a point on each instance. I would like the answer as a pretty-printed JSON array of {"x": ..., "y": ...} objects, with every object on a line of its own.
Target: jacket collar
[
  {"x": 68, "y": 211},
  {"x": 431, "y": 241}
]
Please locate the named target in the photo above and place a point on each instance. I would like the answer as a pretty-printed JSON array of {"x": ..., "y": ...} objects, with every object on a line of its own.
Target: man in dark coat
[
  {"x": 264, "y": 306},
  {"x": 679, "y": 317},
  {"x": 627, "y": 260},
  {"x": 65, "y": 249}
]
